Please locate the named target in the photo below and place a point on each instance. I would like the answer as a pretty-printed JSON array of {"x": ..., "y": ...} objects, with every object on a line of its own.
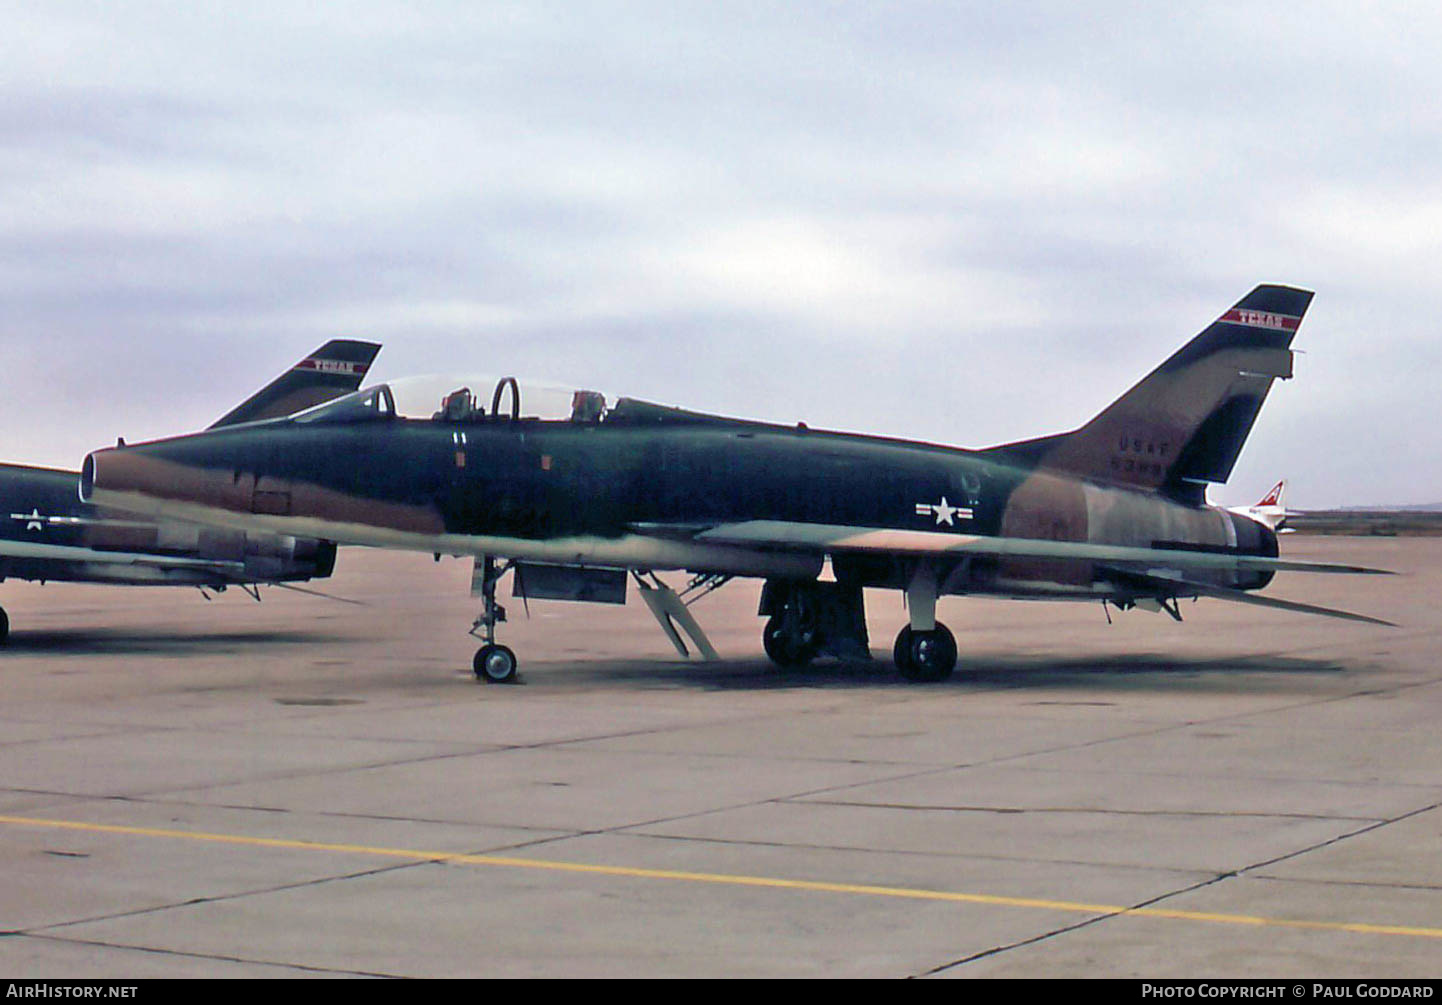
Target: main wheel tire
[
  {"x": 494, "y": 664},
  {"x": 925, "y": 657},
  {"x": 4, "y": 626},
  {"x": 784, "y": 648},
  {"x": 901, "y": 651}
]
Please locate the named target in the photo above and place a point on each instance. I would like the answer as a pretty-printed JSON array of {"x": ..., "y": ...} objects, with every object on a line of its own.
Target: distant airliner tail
[
  {"x": 1274, "y": 497},
  {"x": 1184, "y": 424}
]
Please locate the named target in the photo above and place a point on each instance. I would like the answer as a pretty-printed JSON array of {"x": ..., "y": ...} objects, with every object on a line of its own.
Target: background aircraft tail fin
[
  {"x": 1183, "y": 425},
  {"x": 336, "y": 368},
  {"x": 1274, "y": 497}
]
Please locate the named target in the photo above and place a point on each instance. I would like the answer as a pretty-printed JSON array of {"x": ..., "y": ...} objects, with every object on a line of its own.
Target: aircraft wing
[
  {"x": 1161, "y": 586},
  {"x": 830, "y": 538},
  {"x": 27, "y": 549}
]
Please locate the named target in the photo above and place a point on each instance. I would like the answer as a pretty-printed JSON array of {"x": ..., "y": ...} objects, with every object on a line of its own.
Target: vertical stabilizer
[
  {"x": 336, "y": 368},
  {"x": 1184, "y": 424},
  {"x": 1269, "y": 511},
  {"x": 1274, "y": 497}
]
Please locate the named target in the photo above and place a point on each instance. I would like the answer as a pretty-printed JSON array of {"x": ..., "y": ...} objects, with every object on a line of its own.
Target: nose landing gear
[{"x": 493, "y": 663}]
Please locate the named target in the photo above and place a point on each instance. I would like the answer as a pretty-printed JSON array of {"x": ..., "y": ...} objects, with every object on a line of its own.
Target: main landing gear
[
  {"x": 925, "y": 650},
  {"x": 790, "y": 637},
  {"x": 925, "y": 656},
  {"x": 493, "y": 663},
  {"x": 810, "y": 619}
]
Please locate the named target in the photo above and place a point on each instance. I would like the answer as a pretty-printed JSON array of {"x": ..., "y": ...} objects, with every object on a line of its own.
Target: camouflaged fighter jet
[
  {"x": 578, "y": 493},
  {"x": 48, "y": 534}
]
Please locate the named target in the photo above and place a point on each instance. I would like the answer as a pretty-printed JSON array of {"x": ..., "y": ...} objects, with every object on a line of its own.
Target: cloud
[{"x": 965, "y": 224}]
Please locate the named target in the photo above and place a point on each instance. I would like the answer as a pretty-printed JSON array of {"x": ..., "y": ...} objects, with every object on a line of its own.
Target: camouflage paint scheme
[
  {"x": 1093, "y": 513},
  {"x": 48, "y": 534},
  {"x": 51, "y": 536}
]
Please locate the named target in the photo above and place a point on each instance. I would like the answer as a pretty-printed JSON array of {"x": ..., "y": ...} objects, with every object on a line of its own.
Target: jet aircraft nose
[
  {"x": 271, "y": 479},
  {"x": 120, "y": 472},
  {"x": 150, "y": 479},
  {"x": 87, "y": 478}
]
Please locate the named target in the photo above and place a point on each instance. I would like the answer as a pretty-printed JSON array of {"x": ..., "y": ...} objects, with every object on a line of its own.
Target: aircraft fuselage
[
  {"x": 624, "y": 494},
  {"x": 53, "y": 536}
]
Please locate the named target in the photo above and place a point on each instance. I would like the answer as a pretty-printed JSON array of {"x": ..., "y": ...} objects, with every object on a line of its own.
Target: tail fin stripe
[
  {"x": 1260, "y": 319},
  {"x": 332, "y": 366}
]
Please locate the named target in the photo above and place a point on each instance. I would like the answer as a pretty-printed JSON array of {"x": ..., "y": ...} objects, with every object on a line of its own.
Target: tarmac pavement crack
[
  {"x": 1192, "y": 888},
  {"x": 910, "y": 853},
  {"x": 487, "y": 750},
  {"x": 1365, "y": 884},
  {"x": 1064, "y": 929},
  {"x": 173, "y": 794},
  {"x": 1377, "y": 825},
  {"x": 211, "y": 957},
  {"x": 223, "y": 897},
  {"x": 795, "y": 797},
  {"x": 1099, "y": 810},
  {"x": 53, "y": 931}
]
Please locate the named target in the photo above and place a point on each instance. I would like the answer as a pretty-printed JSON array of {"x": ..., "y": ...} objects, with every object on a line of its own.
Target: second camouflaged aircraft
[
  {"x": 576, "y": 492},
  {"x": 48, "y": 535}
]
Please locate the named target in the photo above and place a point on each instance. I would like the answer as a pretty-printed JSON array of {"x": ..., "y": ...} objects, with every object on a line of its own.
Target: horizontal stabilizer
[
  {"x": 1171, "y": 587},
  {"x": 828, "y": 538}
]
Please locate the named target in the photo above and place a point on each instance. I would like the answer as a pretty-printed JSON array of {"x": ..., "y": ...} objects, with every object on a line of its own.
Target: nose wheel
[
  {"x": 925, "y": 656},
  {"x": 493, "y": 663}
]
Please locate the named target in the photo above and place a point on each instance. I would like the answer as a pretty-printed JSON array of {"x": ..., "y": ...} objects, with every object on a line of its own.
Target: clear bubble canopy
[{"x": 462, "y": 398}]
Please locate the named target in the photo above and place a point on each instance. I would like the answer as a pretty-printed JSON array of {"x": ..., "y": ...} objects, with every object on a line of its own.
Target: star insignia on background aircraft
[
  {"x": 78, "y": 542},
  {"x": 578, "y": 493},
  {"x": 33, "y": 519},
  {"x": 944, "y": 512}
]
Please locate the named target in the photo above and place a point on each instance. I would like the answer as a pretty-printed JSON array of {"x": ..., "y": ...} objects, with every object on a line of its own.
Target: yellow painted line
[{"x": 730, "y": 879}]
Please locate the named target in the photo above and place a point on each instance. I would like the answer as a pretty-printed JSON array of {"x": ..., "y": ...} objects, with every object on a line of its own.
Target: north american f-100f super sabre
[{"x": 579, "y": 493}]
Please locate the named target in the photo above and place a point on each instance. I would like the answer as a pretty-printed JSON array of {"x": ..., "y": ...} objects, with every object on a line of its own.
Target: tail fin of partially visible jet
[
  {"x": 1274, "y": 497},
  {"x": 1184, "y": 424},
  {"x": 1269, "y": 510},
  {"x": 336, "y": 368}
]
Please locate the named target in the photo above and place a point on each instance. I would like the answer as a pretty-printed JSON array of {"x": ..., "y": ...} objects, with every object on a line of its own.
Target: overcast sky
[{"x": 966, "y": 223}]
